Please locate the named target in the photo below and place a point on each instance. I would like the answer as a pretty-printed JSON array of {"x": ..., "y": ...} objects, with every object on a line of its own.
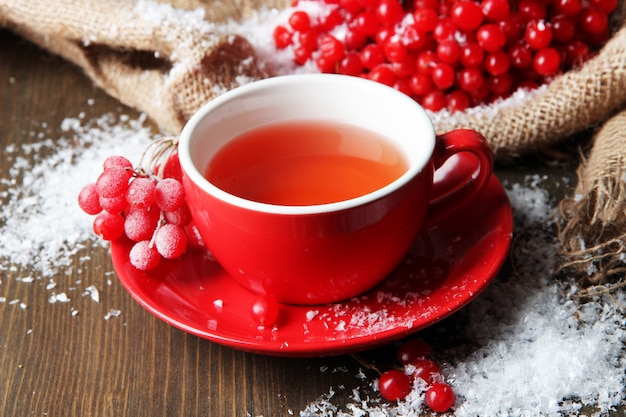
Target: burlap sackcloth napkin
[{"x": 168, "y": 68}]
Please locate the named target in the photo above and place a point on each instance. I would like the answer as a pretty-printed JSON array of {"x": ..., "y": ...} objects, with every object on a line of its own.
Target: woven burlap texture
[{"x": 138, "y": 53}]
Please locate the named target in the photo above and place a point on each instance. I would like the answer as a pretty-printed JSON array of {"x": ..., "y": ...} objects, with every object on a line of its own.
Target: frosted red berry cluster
[
  {"x": 146, "y": 208},
  {"x": 418, "y": 372},
  {"x": 450, "y": 54}
]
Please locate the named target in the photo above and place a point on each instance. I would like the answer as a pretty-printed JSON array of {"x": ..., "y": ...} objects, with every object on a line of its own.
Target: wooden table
[{"x": 55, "y": 364}]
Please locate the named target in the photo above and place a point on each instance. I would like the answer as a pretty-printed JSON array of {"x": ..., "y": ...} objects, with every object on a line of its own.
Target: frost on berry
[
  {"x": 117, "y": 161},
  {"x": 141, "y": 223},
  {"x": 141, "y": 192},
  {"x": 144, "y": 256},
  {"x": 113, "y": 182},
  {"x": 89, "y": 200},
  {"x": 145, "y": 204},
  {"x": 171, "y": 241},
  {"x": 169, "y": 194}
]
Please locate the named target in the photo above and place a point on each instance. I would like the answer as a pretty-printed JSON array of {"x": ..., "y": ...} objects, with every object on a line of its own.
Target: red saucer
[{"x": 448, "y": 266}]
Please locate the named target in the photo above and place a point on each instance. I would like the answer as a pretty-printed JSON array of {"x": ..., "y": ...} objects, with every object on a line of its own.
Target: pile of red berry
[
  {"x": 147, "y": 208},
  {"x": 450, "y": 54},
  {"x": 417, "y": 372}
]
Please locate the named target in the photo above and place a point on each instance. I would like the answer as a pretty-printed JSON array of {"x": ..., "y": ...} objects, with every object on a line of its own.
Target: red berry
[
  {"x": 568, "y": 7},
  {"x": 367, "y": 23},
  {"x": 412, "y": 350},
  {"x": 351, "y": 64},
  {"x": 169, "y": 194},
  {"x": 354, "y": 39},
  {"x": 114, "y": 204},
  {"x": 395, "y": 49},
  {"x": 445, "y": 29},
  {"x": 89, "y": 199},
  {"x": 563, "y": 28},
  {"x": 331, "y": 20},
  {"x": 172, "y": 169},
  {"x": 180, "y": 217},
  {"x": 457, "y": 100},
  {"x": 108, "y": 226},
  {"x": 282, "y": 37},
  {"x": 139, "y": 223},
  {"x": 113, "y": 181},
  {"x": 309, "y": 39},
  {"x": 434, "y": 101},
  {"x": 116, "y": 161},
  {"x": 593, "y": 21},
  {"x": 466, "y": 15},
  {"x": 440, "y": 397},
  {"x": 490, "y": 37},
  {"x": 472, "y": 55},
  {"x": 425, "y": 20},
  {"x": 383, "y": 74},
  {"x": 421, "y": 84},
  {"x": 470, "y": 79},
  {"x": 607, "y": 6},
  {"x": 426, "y": 370},
  {"x": 547, "y": 62},
  {"x": 300, "y": 21},
  {"x": 394, "y": 385},
  {"x": 331, "y": 48},
  {"x": 497, "y": 63},
  {"x": 372, "y": 55},
  {"x": 521, "y": 56},
  {"x": 449, "y": 51},
  {"x": 141, "y": 192},
  {"x": 532, "y": 10},
  {"x": 538, "y": 34},
  {"x": 389, "y": 12},
  {"x": 443, "y": 75},
  {"x": 351, "y": 6},
  {"x": 495, "y": 9},
  {"x": 170, "y": 241},
  {"x": 144, "y": 256},
  {"x": 265, "y": 311}
]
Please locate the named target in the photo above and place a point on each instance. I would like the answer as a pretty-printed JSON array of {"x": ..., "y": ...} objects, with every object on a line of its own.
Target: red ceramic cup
[{"x": 322, "y": 253}]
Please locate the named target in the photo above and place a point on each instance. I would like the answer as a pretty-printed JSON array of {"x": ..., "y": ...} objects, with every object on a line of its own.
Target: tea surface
[{"x": 305, "y": 163}]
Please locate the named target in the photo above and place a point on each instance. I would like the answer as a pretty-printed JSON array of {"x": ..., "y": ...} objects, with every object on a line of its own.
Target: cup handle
[{"x": 447, "y": 145}]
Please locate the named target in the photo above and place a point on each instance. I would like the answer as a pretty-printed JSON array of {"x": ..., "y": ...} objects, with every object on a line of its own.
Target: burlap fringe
[
  {"x": 137, "y": 53},
  {"x": 593, "y": 221}
]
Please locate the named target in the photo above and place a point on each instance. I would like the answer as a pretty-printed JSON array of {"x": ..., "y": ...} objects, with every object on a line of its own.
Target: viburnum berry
[
  {"x": 593, "y": 21},
  {"x": 89, "y": 199},
  {"x": 511, "y": 44},
  {"x": 283, "y": 37},
  {"x": 147, "y": 207},
  {"x": 490, "y": 37},
  {"x": 538, "y": 34},
  {"x": 440, "y": 397},
  {"x": 265, "y": 310},
  {"x": 170, "y": 241},
  {"x": 547, "y": 62},
  {"x": 466, "y": 14},
  {"x": 495, "y": 10},
  {"x": 113, "y": 181},
  {"x": 394, "y": 385},
  {"x": 300, "y": 21},
  {"x": 425, "y": 19},
  {"x": 108, "y": 226},
  {"x": 411, "y": 350},
  {"x": 389, "y": 12},
  {"x": 144, "y": 256}
]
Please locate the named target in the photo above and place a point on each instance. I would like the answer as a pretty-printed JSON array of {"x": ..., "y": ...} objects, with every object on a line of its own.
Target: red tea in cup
[{"x": 305, "y": 163}]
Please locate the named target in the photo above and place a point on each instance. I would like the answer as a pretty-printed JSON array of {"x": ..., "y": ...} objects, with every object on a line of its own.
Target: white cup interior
[{"x": 337, "y": 98}]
